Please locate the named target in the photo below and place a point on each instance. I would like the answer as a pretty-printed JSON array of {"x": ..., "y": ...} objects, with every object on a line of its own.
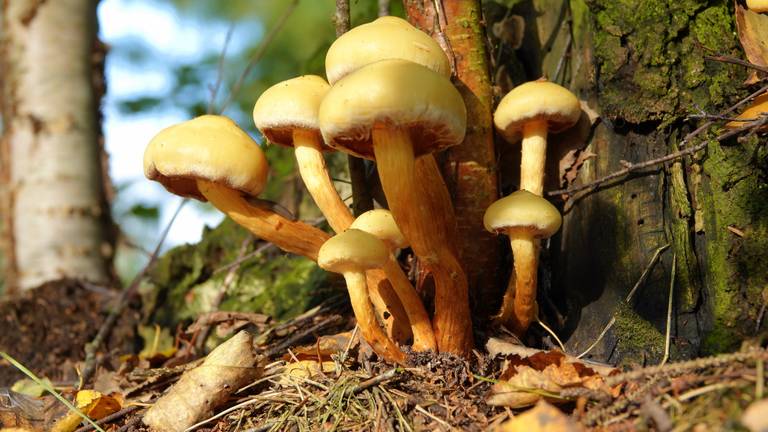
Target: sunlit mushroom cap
[
  {"x": 209, "y": 147},
  {"x": 536, "y": 100},
  {"x": 523, "y": 210},
  {"x": 758, "y": 6},
  {"x": 289, "y": 105},
  {"x": 385, "y": 38},
  {"x": 352, "y": 250},
  {"x": 381, "y": 224},
  {"x": 393, "y": 92}
]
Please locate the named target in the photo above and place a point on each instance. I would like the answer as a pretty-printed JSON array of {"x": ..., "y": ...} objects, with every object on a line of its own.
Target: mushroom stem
[
  {"x": 534, "y": 154},
  {"x": 366, "y": 318},
  {"x": 312, "y": 168},
  {"x": 388, "y": 306},
  {"x": 411, "y": 207},
  {"x": 525, "y": 250},
  {"x": 291, "y": 236},
  {"x": 421, "y": 326}
]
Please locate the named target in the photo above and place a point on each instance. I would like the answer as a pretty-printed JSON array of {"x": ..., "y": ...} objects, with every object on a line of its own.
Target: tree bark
[
  {"x": 56, "y": 219},
  {"x": 640, "y": 66}
]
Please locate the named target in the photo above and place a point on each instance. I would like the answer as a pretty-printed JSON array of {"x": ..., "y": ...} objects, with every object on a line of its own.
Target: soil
[{"x": 46, "y": 329}]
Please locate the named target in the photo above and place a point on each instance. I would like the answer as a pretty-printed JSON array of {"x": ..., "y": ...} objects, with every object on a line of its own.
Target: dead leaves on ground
[
  {"x": 753, "y": 35},
  {"x": 544, "y": 376}
]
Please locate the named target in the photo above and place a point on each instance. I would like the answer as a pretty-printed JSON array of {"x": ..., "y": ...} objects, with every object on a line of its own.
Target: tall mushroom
[
  {"x": 531, "y": 110},
  {"x": 351, "y": 253},
  {"x": 381, "y": 224},
  {"x": 395, "y": 111},
  {"x": 286, "y": 114},
  {"x": 525, "y": 218},
  {"x": 211, "y": 159}
]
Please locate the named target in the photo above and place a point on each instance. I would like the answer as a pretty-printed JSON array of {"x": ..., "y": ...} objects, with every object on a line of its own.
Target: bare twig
[
  {"x": 383, "y": 8},
  {"x": 220, "y": 70},
  {"x": 737, "y": 61},
  {"x": 669, "y": 310},
  {"x": 374, "y": 381},
  {"x": 110, "y": 418},
  {"x": 260, "y": 51},
  {"x": 92, "y": 347},
  {"x": 634, "y": 167},
  {"x": 341, "y": 17}
]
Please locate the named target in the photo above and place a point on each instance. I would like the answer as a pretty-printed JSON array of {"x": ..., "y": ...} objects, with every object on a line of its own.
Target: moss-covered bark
[{"x": 641, "y": 66}]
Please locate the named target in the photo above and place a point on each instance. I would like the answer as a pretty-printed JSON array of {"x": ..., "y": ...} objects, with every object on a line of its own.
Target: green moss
[
  {"x": 187, "y": 279},
  {"x": 636, "y": 337},
  {"x": 639, "y": 55}
]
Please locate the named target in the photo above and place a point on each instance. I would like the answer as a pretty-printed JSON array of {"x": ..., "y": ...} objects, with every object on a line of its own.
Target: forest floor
[{"x": 315, "y": 374}]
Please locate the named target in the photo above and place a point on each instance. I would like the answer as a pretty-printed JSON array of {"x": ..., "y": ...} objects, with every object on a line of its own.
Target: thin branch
[
  {"x": 669, "y": 311},
  {"x": 260, "y": 51},
  {"x": 220, "y": 70},
  {"x": 341, "y": 17},
  {"x": 92, "y": 347},
  {"x": 737, "y": 61}
]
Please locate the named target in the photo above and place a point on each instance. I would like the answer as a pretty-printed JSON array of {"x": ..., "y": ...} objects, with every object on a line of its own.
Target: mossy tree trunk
[
  {"x": 56, "y": 219},
  {"x": 641, "y": 67}
]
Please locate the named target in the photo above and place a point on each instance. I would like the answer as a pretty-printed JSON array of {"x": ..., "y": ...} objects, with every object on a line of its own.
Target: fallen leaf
[
  {"x": 542, "y": 418},
  {"x": 752, "y": 28},
  {"x": 305, "y": 369},
  {"x": 158, "y": 343},
  {"x": 757, "y": 108},
  {"x": 323, "y": 348},
  {"x": 91, "y": 403},
  {"x": 755, "y": 417}
]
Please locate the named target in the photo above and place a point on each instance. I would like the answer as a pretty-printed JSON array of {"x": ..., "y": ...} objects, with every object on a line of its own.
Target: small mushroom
[
  {"x": 388, "y": 37},
  {"x": 525, "y": 218},
  {"x": 758, "y": 6},
  {"x": 351, "y": 253},
  {"x": 286, "y": 114},
  {"x": 395, "y": 111},
  {"x": 381, "y": 224},
  {"x": 210, "y": 158},
  {"x": 531, "y": 110}
]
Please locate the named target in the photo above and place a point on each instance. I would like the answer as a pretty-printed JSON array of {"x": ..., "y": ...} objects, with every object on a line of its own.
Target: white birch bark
[{"x": 54, "y": 209}]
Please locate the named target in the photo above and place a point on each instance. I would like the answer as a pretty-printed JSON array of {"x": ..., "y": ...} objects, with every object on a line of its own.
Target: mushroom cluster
[{"x": 389, "y": 99}]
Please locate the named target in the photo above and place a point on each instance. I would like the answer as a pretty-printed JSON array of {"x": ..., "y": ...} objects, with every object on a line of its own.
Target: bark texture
[
  {"x": 643, "y": 72},
  {"x": 55, "y": 215}
]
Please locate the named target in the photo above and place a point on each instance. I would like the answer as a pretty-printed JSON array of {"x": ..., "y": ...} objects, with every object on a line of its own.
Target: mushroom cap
[
  {"x": 290, "y": 105},
  {"x": 523, "y": 210},
  {"x": 536, "y": 100},
  {"x": 352, "y": 250},
  {"x": 385, "y": 38},
  {"x": 381, "y": 223},
  {"x": 398, "y": 93},
  {"x": 758, "y": 6},
  {"x": 209, "y": 147}
]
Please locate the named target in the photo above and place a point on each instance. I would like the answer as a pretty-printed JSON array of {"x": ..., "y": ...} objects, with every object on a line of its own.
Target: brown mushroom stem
[
  {"x": 525, "y": 250},
  {"x": 421, "y": 326},
  {"x": 424, "y": 229},
  {"x": 534, "y": 155},
  {"x": 291, "y": 236},
  {"x": 366, "y": 318},
  {"x": 314, "y": 172}
]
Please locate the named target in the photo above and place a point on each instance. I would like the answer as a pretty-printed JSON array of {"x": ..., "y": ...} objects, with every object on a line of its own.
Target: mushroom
[
  {"x": 531, "y": 110},
  {"x": 286, "y": 114},
  {"x": 525, "y": 218},
  {"x": 384, "y": 38},
  {"x": 758, "y": 6},
  {"x": 381, "y": 224},
  {"x": 211, "y": 159},
  {"x": 394, "y": 111},
  {"x": 351, "y": 253}
]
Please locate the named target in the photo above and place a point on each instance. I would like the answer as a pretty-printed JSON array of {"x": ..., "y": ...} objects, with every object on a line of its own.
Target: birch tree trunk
[{"x": 56, "y": 220}]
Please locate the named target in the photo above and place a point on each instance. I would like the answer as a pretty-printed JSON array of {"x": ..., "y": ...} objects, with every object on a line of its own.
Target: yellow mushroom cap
[
  {"x": 385, "y": 38},
  {"x": 523, "y": 210},
  {"x": 536, "y": 100},
  {"x": 398, "y": 93},
  {"x": 758, "y": 6},
  {"x": 352, "y": 250},
  {"x": 209, "y": 147},
  {"x": 381, "y": 224},
  {"x": 290, "y": 105}
]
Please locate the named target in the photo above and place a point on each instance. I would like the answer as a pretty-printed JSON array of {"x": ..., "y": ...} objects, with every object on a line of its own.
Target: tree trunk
[
  {"x": 640, "y": 66},
  {"x": 55, "y": 215}
]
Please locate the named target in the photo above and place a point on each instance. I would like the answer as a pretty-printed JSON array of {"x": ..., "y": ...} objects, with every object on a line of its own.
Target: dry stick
[
  {"x": 737, "y": 61},
  {"x": 110, "y": 418},
  {"x": 374, "y": 381},
  {"x": 220, "y": 70},
  {"x": 90, "y": 349},
  {"x": 629, "y": 296},
  {"x": 634, "y": 167},
  {"x": 260, "y": 51},
  {"x": 669, "y": 310}
]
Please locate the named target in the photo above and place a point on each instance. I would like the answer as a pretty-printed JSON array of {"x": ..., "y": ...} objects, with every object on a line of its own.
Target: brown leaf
[
  {"x": 753, "y": 34},
  {"x": 323, "y": 348},
  {"x": 542, "y": 418}
]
